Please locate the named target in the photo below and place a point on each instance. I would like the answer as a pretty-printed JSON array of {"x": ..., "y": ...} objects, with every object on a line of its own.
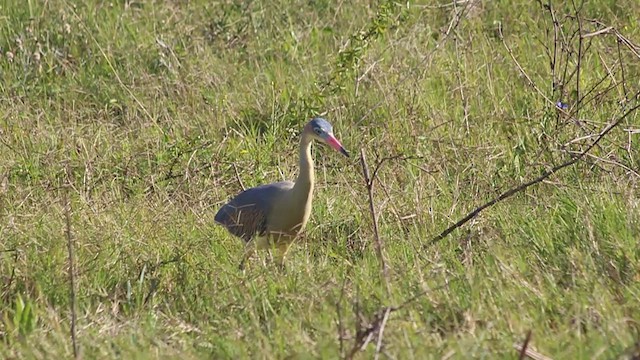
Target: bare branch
[
  {"x": 526, "y": 352},
  {"x": 523, "y": 351},
  {"x": 381, "y": 332},
  {"x": 369, "y": 181},
  {"x": 579, "y": 65},
  {"x": 604, "y": 31}
]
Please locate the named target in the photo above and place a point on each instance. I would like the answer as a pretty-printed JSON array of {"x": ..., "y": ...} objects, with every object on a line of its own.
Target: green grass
[{"x": 138, "y": 112}]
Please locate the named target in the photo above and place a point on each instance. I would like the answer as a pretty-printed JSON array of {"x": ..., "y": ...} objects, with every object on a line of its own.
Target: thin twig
[
  {"x": 612, "y": 162},
  {"x": 556, "y": 30},
  {"x": 369, "y": 181},
  {"x": 422, "y": 293},
  {"x": 604, "y": 31},
  {"x": 443, "y": 6},
  {"x": 540, "y": 178},
  {"x": 235, "y": 169},
  {"x": 578, "y": 65},
  {"x": 365, "y": 332},
  {"x": 635, "y": 49},
  {"x": 381, "y": 332},
  {"x": 72, "y": 276},
  {"x": 624, "y": 81},
  {"x": 553, "y": 58},
  {"x": 526, "y": 352},
  {"x": 525, "y": 345},
  {"x": 389, "y": 158}
]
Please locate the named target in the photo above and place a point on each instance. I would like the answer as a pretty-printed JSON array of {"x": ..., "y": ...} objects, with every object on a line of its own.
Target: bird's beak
[{"x": 334, "y": 143}]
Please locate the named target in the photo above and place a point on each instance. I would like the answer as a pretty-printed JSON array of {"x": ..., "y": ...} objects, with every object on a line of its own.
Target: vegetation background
[{"x": 126, "y": 124}]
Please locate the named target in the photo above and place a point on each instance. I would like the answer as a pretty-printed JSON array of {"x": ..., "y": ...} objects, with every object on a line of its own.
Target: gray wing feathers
[
  {"x": 243, "y": 221},
  {"x": 247, "y": 213}
]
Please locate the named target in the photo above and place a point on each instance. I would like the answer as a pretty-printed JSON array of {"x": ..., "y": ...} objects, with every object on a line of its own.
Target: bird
[{"x": 272, "y": 215}]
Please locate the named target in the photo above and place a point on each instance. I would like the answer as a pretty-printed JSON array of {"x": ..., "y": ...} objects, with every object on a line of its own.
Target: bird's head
[{"x": 321, "y": 130}]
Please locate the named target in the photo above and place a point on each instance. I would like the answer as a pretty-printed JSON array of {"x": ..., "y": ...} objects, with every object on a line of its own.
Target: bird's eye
[{"x": 317, "y": 131}]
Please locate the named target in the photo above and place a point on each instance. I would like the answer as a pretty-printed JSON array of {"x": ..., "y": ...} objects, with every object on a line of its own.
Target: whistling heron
[{"x": 274, "y": 214}]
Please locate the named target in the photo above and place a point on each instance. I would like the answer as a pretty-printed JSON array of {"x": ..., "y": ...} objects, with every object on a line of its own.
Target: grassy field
[{"x": 126, "y": 124}]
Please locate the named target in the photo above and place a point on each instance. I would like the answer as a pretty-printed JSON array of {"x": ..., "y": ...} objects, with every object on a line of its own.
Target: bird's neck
[{"x": 304, "y": 182}]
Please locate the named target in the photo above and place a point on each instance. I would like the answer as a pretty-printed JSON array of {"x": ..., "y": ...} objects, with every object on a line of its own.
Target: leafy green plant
[{"x": 22, "y": 319}]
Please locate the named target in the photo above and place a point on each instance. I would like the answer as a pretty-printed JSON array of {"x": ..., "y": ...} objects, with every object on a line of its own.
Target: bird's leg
[
  {"x": 249, "y": 250},
  {"x": 281, "y": 252},
  {"x": 282, "y": 268}
]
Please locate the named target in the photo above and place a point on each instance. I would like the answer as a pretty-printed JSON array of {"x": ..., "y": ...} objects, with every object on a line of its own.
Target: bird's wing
[{"x": 247, "y": 214}]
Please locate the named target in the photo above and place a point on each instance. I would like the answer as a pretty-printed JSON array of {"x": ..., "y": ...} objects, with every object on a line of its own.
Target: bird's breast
[{"x": 290, "y": 217}]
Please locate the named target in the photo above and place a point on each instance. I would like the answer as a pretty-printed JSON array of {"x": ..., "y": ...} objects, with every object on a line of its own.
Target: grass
[{"x": 140, "y": 111}]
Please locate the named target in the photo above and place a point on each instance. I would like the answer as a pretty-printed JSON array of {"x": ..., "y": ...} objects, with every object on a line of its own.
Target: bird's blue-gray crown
[{"x": 321, "y": 123}]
